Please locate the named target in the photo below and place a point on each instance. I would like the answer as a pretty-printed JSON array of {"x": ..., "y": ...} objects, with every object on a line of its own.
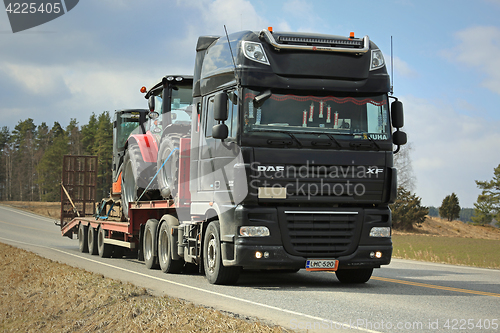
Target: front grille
[{"x": 319, "y": 233}]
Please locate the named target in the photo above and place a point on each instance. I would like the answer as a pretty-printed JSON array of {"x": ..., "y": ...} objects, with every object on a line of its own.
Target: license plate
[{"x": 322, "y": 265}]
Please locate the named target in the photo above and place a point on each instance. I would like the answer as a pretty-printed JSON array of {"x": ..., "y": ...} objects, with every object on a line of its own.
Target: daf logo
[
  {"x": 374, "y": 170},
  {"x": 270, "y": 168}
]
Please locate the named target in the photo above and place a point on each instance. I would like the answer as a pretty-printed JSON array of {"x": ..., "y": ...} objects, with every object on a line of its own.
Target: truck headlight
[
  {"x": 380, "y": 232},
  {"x": 254, "y": 231},
  {"x": 255, "y": 51},
  {"x": 377, "y": 60}
]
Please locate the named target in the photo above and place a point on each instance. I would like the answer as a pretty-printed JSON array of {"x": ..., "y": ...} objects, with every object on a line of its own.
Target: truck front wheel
[
  {"x": 215, "y": 271},
  {"x": 354, "y": 275}
]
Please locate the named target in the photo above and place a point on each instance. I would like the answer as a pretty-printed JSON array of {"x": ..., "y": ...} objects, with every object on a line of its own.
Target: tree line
[
  {"x": 31, "y": 156},
  {"x": 31, "y": 163},
  {"x": 407, "y": 210}
]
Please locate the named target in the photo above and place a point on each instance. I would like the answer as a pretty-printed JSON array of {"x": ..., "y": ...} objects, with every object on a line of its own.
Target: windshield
[
  {"x": 180, "y": 101},
  {"x": 358, "y": 117},
  {"x": 127, "y": 124}
]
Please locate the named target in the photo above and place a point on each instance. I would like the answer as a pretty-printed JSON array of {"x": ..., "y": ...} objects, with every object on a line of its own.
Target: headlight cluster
[
  {"x": 380, "y": 232},
  {"x": 255, "y": 51},
  {"x": 377, "y": 60},
  {"x": 254, "y": 231}
]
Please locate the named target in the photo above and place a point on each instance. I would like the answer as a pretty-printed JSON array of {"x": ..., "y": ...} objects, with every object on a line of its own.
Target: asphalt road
[{"x": 406, "y": 296}]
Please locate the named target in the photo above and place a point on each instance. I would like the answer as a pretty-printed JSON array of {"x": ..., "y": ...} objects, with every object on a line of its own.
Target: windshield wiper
[
  {"x": 333, "y": 140},
  {"x": 365, "y": 144},
  {"x": 373, "y": 141},
  {"x": 283, "y": 132}
]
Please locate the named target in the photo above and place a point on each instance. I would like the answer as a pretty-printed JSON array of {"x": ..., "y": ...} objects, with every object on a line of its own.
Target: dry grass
[
  {"x": 434, "y": 226},
  {"x": 49, "y": 209},
  {"x": 39, "y": 295},
  {"x": 439, "y": 240},
  {"x": 449, "y": 250}
]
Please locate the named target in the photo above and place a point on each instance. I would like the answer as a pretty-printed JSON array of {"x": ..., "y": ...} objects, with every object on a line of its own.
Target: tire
[
  {"x": 168, "y": 175},
  {"x": 82, "y": 238},
  {"x": 92, "y": 241},
  {"x": 215, "y": 271},
  {"x": 166, "y": 245},
  {"x": 104, "y": 250},
  {"x": 136, "y": 176},
  {"x": 149, "y": 247},
  {"x": 354, "y": 275}
]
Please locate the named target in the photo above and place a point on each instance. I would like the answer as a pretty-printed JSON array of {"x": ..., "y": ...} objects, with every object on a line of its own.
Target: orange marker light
[
  {"x": 270, "y": 29},
  {"x": 351, "y": 35},
  {"x": 143, "y": 90}
]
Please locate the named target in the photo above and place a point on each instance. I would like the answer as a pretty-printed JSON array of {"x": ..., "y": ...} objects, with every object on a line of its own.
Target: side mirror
[
  {"x": 151, "y": 103},
  {"x": 261, "y": 98},
  {"x": 397, "y": 116},
  {"x": 220, "y": 131},
  {"x": 220, "y": 107},
  {"x": 399, "y": 138}
]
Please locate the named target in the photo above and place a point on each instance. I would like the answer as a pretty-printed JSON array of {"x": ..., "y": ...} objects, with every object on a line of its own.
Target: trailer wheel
[
  {"x": 105, "y": 250},
  {"x": 215, "y": 271},
  {"x": 92, "y": 241},
  {"x": 166, "y": 244},
  {"x": 354, "y": 275},
  {"x": 82, "y": 238},
  {"x": 136, "y": 176},
  {"x": 149, "y": 241}
]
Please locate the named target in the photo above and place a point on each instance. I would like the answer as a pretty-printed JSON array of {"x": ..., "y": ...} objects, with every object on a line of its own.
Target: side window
[
  {"x": 232, "y": 119},
  {"x": 209, "y": 120},
  {"x": 158, "y": 104}
]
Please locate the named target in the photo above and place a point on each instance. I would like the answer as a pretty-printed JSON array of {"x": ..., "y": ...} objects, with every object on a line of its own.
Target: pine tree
[
  {"x": 450, "y": 207},
  {"x": 407, "y": 210},
  {"x": 23, "y": 175},
  {"x": 42, "y": 143},
  {"x": 74, "y": 138},
  {"x": 4, "y": 139},
  {"x": 103, "y": 148},
  {"x": 50, "y": 167},
  {"x": 89, "y": 132},
  {"x": 487, "y": 206}
]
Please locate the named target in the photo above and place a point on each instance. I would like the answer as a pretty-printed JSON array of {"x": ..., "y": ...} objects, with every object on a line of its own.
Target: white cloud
[
  {"x": 304, "y": 16},
  {"x": 402, "y": 68},
  {"x": 237, "y": 15},
  {"x": 479, "y": 48},
  {"x": 35, "y": 79},
  {"x": 451, "y": 150}
]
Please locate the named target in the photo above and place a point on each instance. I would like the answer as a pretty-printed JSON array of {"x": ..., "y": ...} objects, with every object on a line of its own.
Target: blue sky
[{"x": 447, "y": 67}]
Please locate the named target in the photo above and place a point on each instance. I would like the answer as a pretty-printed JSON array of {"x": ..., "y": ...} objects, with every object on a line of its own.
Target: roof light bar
[{"x": 361, "y": 45}]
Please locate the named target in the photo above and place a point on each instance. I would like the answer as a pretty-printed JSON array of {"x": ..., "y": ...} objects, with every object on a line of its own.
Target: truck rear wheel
[
  {"x": 92, "y": 241},
  {"x": 105, "y": 250},
  {"x": 215, "y": 271},
  {"x": 136, "y": 176},
  {"x": 149, "y": 242},
  {"x": 166, "y": 244},
  {"x": 354, "y": 275},
  {"x": 82, "y": 238}
]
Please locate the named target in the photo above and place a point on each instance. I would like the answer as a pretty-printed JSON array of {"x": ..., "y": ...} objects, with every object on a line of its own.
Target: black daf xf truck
[{"x": 291, "y": 157}]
